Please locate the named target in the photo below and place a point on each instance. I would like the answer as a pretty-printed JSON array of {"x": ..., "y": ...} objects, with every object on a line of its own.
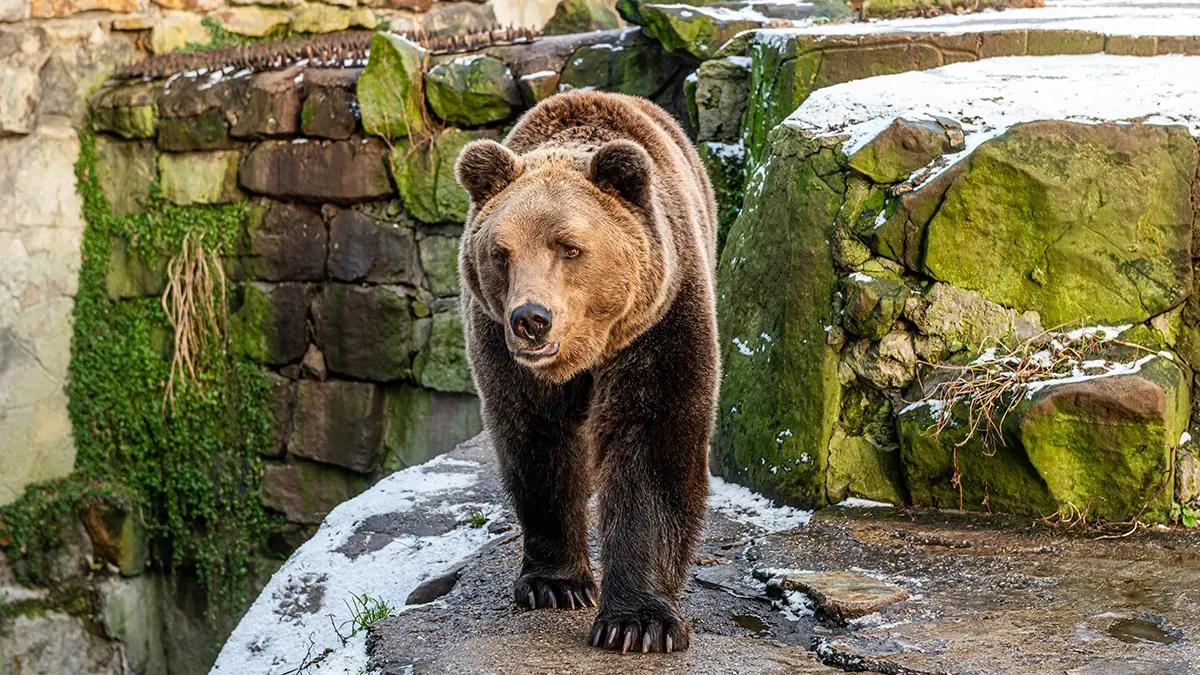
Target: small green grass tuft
[{"x": 364, "y": 611}]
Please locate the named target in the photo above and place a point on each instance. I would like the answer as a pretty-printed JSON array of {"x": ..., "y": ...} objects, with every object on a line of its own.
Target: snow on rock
[
  {"x": 992, "y": 95},
  {"x": 291, "y": 619},
  {"x": 410, "y": 527},
  {"x": 746, "y": 506},
  {"x": 1112, "y": 17}
]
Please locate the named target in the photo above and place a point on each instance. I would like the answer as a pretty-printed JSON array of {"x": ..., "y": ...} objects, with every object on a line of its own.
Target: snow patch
[
  {"x": 745, "y": 506},
  {"x": 266, "y": 642},
  {"x": 859, "y": 503},
  {"x": 991, "y": 95}
]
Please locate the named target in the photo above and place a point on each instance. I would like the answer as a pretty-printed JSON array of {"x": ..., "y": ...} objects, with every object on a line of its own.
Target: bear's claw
[
  {"x": 534, "y": 592},
  {"x": 651, "y": 633}
]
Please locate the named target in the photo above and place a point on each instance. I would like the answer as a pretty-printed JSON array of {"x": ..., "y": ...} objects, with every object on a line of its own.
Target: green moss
[
  {"x": 222, "y": 39},
  {"x": 725, "y": 172},
  {"x": 190, "y": 468},
  {"x": 776, "y": 279}
]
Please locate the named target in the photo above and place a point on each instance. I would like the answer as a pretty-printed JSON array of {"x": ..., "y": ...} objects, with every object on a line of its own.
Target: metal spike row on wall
[{"x": 335, "y": 50}]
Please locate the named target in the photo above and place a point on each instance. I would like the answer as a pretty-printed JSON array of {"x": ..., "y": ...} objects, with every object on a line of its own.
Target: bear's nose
[{"x": 530, "y": 321}]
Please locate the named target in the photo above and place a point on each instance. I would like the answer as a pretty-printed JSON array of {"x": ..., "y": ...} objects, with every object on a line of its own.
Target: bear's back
[{"x": 584, "y": 120}]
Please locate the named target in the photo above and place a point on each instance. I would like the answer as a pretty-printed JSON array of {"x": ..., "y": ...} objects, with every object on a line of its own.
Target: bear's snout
[
  {"x": 531, "y": 322},
  {"x": 530, "y": 325}
]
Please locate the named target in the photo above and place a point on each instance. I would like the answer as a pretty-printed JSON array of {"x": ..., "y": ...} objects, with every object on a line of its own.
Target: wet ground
[{"x": 985, "y": 595}]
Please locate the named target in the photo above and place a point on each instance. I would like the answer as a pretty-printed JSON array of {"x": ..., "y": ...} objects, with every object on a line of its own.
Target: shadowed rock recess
[{"x": 946, "y": 279}]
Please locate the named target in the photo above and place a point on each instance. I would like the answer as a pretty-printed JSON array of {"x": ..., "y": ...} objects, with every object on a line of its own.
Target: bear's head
[{"x": 563, "y": 249}]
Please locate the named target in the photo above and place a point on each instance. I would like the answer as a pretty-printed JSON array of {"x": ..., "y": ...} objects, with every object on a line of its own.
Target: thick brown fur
[{"x": 596, "y": 209}]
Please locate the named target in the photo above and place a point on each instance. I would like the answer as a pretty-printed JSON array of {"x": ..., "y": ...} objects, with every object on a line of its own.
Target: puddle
[
  {"x": 752, "y": 623},
  {"x": 1143, "y": 631}
]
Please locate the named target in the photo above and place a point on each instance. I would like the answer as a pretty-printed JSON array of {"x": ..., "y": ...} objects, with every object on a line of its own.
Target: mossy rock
[
  {"x": 724, "y": 163},
  {"x": 442, "y": 363},
  {"x": 207, "y": 131},
  {"x": 635, "y": 64},
  {"x": 697, "y": 31},
  {"x": 439, "y": 259},
  {"x": 864, "y": 451},
  {"x": 424, "y": 174},
  {"x": 133, "y": 274},
  {"x": 581, "y": 16},
  {"x": 904, "y": 147},
  {"x": 127, "y": 171},
  {"x": 472, "y": 91},
  {"x": 721, "y": 91},
  {"x": 365, "y": 332},
  {"x": 776, "y": 283},
  {"x": 873, "y": 301},
  {"x": 1078, "y": 222},
  {"x": 270, "y": 322},
  {"x": 782, "y": 72},
  {"x": 127, "y": 110},
  {"x": 199, "y": 177},
  {"x": 1105, "y": 445},
  {"x": 421, "y": 424},
  {"x": 389, "y": 90}
]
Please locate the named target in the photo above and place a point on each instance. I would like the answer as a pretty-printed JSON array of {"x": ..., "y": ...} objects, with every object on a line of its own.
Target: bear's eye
[
  {"x": 569, "y": 251},
  {"x": 500, "y": 257}
]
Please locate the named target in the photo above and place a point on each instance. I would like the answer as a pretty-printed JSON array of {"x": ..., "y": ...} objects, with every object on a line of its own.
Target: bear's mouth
[{"x": 537, "y": 353}]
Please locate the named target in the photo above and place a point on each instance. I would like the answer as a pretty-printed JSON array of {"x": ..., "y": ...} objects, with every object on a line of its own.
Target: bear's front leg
[
  {"x": 651, "y": 421},
  {"x": 544, "y": 465}
]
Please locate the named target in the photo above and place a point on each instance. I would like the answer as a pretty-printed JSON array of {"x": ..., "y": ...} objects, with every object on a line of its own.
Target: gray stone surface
[{"x": 984, "y": 595}]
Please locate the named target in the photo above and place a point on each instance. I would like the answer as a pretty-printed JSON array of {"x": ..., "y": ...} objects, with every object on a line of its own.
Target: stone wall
[{"x": 52, "y": 53}]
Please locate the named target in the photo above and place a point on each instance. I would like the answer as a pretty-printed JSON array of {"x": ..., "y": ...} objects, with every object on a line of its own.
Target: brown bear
[{"x": 588, "y": 263}]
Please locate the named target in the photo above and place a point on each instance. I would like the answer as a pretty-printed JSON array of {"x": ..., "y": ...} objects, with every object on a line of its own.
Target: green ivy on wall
[{"x": 188, "y": 469}]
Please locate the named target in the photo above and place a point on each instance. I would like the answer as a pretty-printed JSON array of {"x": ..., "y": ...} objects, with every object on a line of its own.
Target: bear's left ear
[
  {"x": 485, "y": 167},
  {"x": 623, "y": 167}
]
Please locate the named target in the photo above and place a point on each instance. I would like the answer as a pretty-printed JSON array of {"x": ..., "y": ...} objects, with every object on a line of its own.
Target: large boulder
[
  {"x": 365, "y": 332},
  {"x": 780, "y": 394},
  {"x": 1079, "y": 222},
  {"x": 905, "y": 146},
  {"x": 471, "y": 91},
  {"x": 389, "y": 91},
  {"x": 1101, "y": 443}
]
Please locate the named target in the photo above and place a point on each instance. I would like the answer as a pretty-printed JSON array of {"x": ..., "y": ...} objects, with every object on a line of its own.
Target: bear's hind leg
[
  {"x": 545, "y": 467},
  {"x": 651, "y": 422}
]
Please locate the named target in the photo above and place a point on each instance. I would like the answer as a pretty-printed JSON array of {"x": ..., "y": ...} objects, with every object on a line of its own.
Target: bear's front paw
[
  {"x": 649, "y": 630},
  {"x": 534, "y": 591}
]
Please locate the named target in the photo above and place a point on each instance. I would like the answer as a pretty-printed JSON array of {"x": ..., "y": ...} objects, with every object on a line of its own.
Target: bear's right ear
[{"x": 485, "y": 167}]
